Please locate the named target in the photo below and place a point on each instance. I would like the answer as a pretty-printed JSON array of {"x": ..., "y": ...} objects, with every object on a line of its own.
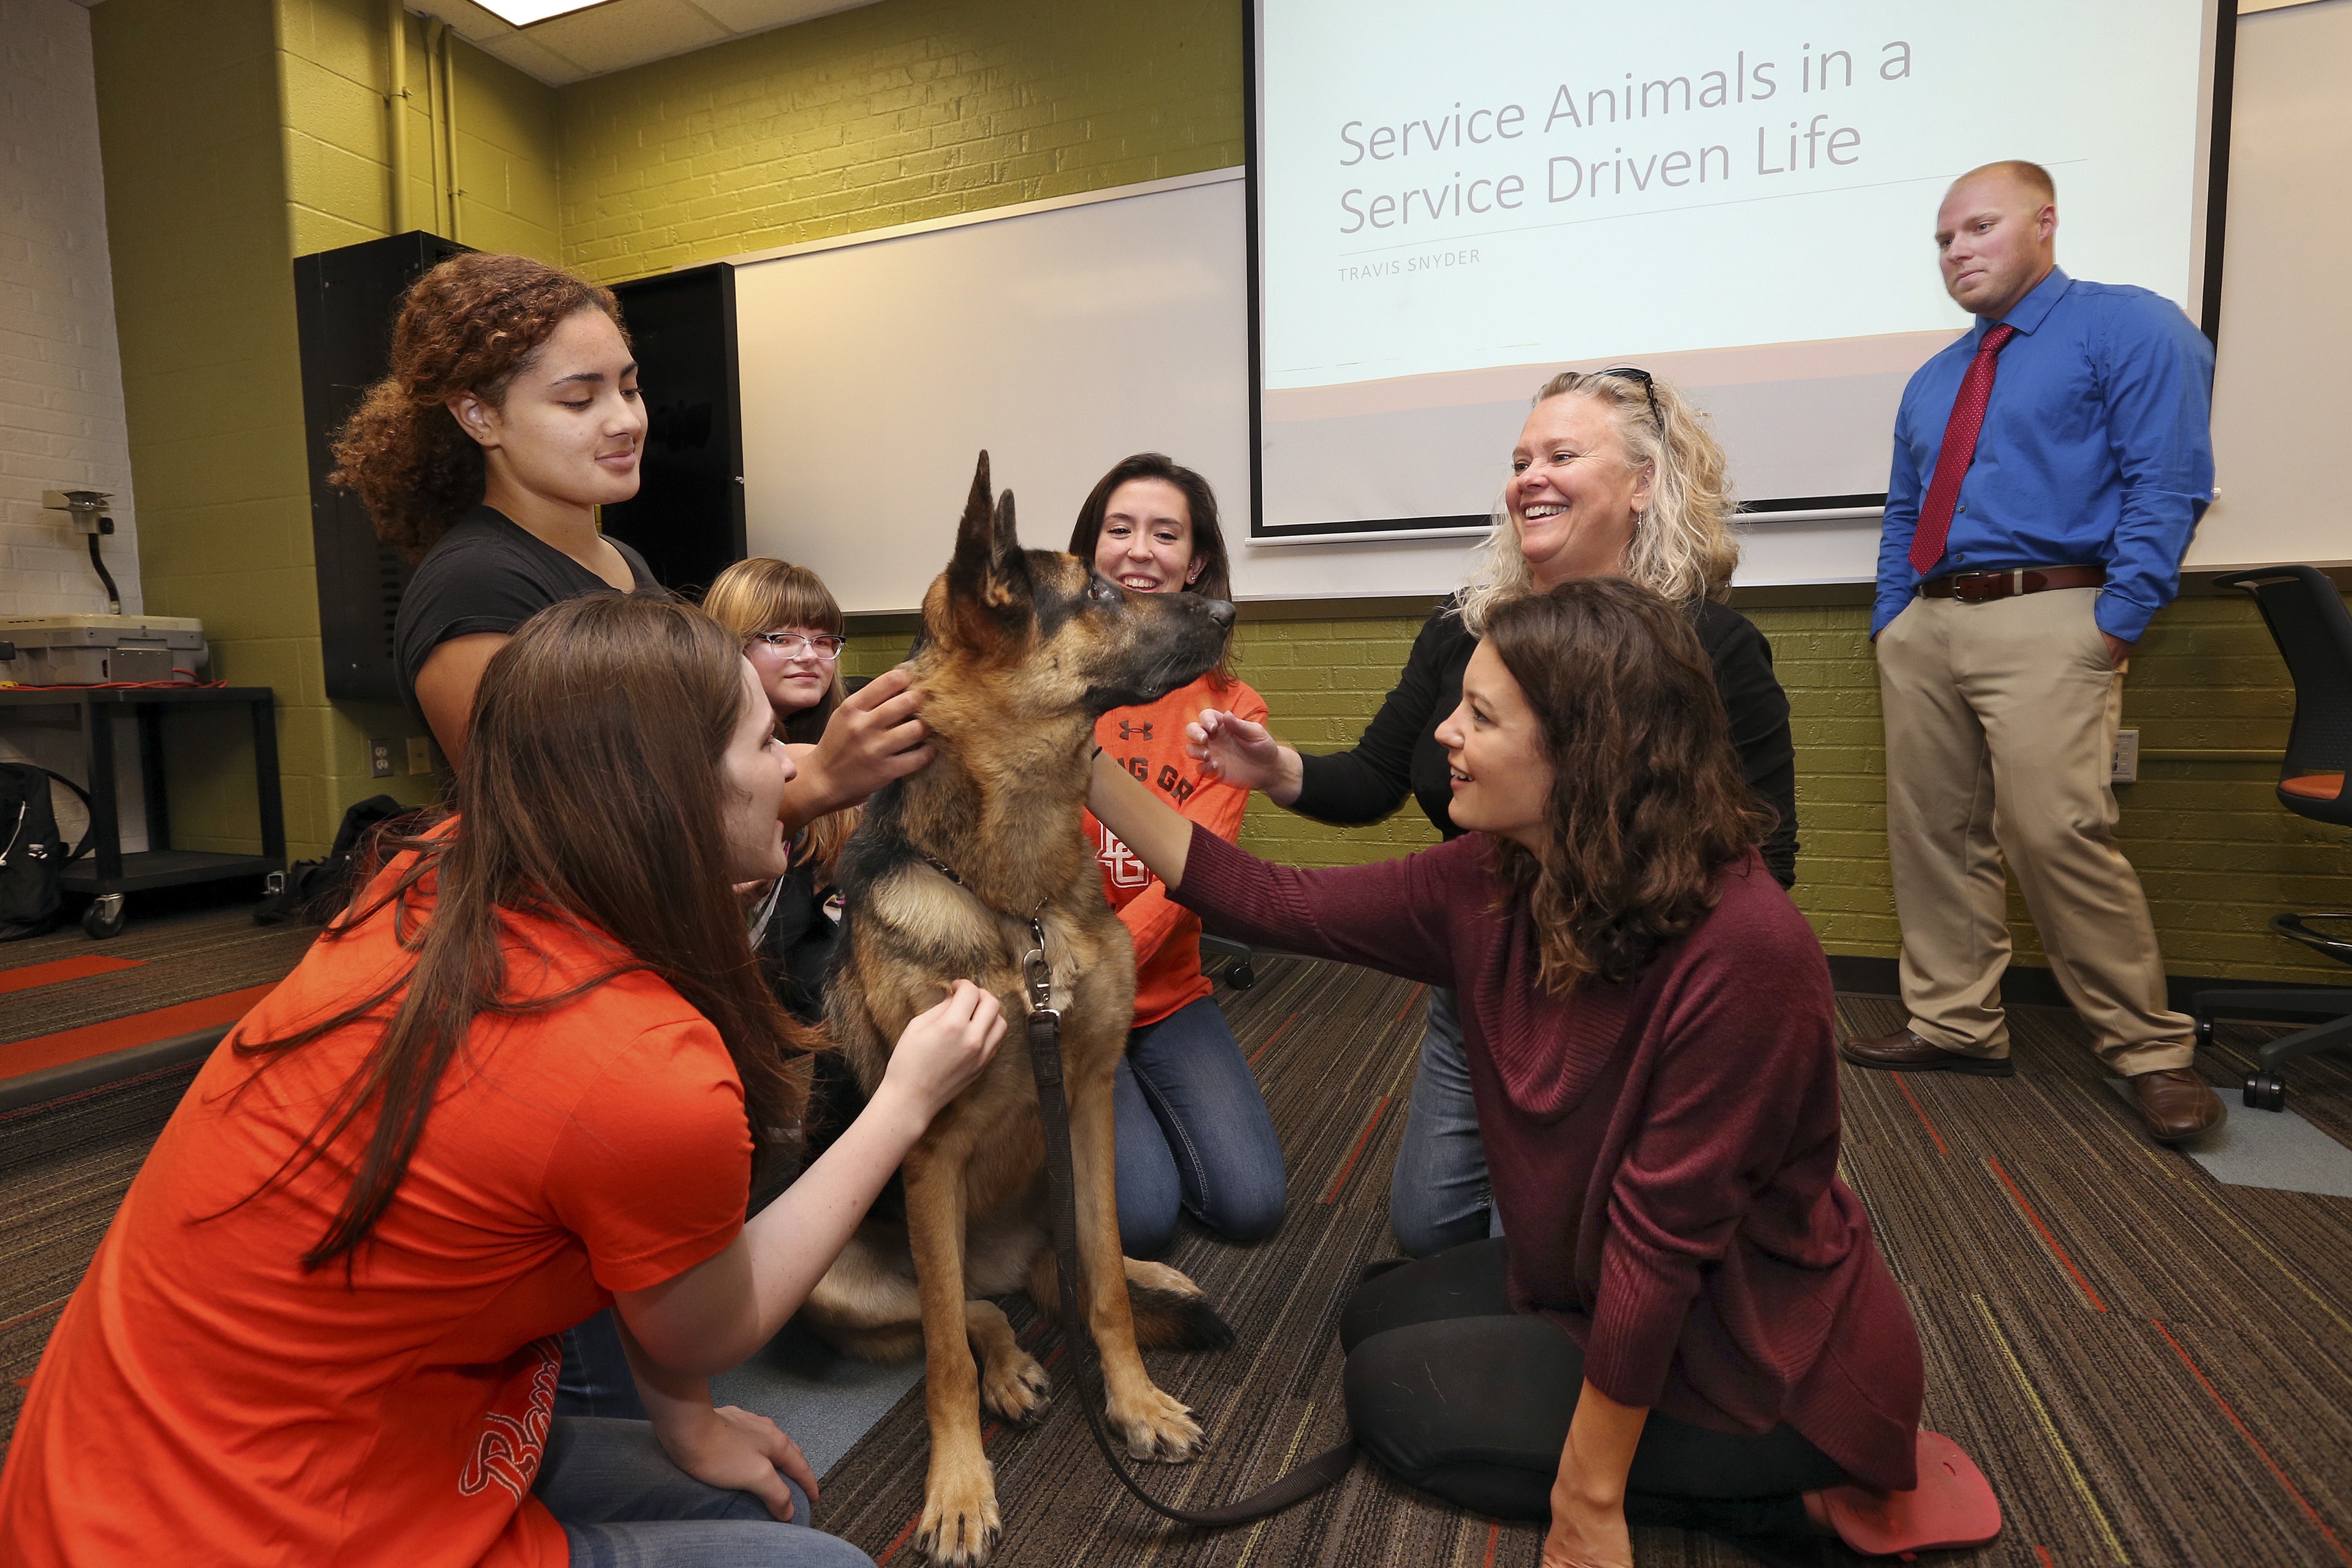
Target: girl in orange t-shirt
[
  {"x": 1193, "y": 1132},
  {"x": 526, "y": 1076}
]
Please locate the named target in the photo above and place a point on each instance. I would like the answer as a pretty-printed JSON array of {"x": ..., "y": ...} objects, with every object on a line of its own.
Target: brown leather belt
[{"x": 1976, "y": 587}]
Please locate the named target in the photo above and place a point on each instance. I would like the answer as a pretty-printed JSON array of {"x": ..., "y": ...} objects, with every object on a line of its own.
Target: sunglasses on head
[{"x": 1649, "y": 389}]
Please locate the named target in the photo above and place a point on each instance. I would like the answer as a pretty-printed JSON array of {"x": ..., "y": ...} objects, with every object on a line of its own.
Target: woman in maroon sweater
[{"x": 1690, "y": 1318}]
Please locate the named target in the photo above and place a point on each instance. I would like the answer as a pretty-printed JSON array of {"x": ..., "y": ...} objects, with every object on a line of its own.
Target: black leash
[
  {"x": 1053, "y": 1105},
  {"x": 1061, "y": 1181}
]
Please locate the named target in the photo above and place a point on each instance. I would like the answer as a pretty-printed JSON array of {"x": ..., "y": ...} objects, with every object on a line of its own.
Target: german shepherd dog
[{"x": 1022, "y": 650}]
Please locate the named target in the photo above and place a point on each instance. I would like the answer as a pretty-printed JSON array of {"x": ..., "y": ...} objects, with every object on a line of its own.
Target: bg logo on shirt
[
  {"x": 1119, "y": 863},
  {"x": 509, "y": 1452}
]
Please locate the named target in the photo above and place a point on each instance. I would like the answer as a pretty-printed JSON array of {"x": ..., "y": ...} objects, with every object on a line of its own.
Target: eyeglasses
[
  {"x": 1649, "y": 389},
  {"x": 792, "y": 645}
]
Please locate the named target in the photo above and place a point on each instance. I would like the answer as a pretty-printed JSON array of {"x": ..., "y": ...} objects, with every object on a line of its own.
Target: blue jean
[
  {"x": 596, "y": 1380},
  {"x": 1438, "y": 1193},
  {"x": 623, "y": 1504},
  {"x": 1193, "y": 1134}
]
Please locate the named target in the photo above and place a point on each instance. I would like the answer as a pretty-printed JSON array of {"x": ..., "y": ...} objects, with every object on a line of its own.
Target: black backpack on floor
[
  {"x": 32, "y": 857},
  {"x": 317, "y": 890}
]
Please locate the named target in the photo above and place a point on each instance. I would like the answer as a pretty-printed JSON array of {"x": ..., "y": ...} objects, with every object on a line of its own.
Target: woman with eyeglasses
[
  {"x": 790, "y": 631},
  {"x": 1614, "y": 474},
  {"x": 511, "y": 413}
]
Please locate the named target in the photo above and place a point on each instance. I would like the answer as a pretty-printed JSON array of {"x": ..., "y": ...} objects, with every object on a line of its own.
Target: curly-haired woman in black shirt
[{"x": 511, "y": 413}]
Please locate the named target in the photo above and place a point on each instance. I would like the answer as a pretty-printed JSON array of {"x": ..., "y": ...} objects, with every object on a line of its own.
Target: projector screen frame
[{"x": 2209, "y": 215}]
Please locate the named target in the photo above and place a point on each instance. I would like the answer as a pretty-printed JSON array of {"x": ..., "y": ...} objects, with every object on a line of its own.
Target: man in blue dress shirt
[{"x": 2049, "y": 467}]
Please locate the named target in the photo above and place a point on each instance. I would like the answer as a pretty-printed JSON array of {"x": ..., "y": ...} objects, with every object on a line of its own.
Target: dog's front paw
[
  {"x": 960, "y": 1521},
  {"x": 1156, "y": 1426},
  {"x": 1015, "y": 1388}
]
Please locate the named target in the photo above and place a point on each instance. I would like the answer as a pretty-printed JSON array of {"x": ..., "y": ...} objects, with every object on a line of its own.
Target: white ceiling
[{"x": 620, "y": 33}]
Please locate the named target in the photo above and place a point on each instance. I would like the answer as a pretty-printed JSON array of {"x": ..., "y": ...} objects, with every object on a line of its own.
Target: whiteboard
[
  {"x": 2282, "y": 392},
  {"x": 1060, "y": 336}
]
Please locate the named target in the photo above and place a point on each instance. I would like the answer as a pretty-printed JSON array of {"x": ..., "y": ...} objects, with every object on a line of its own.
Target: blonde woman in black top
[{"x": 1615, "y": 473}]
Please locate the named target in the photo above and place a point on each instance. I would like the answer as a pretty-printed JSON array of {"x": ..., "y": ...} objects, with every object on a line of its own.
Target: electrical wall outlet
[
  {"x": 379, "y": 758},
  {"x": 2127, "y": 761},
  {"x": 420, "y": 755}
]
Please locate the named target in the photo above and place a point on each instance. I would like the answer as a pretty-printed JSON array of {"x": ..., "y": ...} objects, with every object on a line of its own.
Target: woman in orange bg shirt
[
  {"x": 528, "y": 1075},
  {"x": 1193, "y": 1132}
]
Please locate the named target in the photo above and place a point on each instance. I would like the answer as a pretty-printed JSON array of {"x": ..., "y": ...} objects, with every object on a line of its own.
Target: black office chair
[
  {"x": 1238, "y": 974},
  {"x": 2314, "y": 632}
]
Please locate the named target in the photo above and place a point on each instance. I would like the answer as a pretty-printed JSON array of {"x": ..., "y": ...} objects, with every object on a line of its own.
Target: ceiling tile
[
  {"x": 760, "y": 16},
  {"x": 628, "y": 32},
  {"x": 619, "y": 34},
  {"x": 470, "y": 21},
  {"x": 533, "y": 58}
]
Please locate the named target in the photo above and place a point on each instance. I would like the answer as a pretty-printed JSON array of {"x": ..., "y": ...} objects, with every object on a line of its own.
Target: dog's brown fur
[{"x": 1023, "y": 650}]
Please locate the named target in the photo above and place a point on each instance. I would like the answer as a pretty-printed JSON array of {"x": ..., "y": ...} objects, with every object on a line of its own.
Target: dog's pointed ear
[
  {"x": 988, "y": 580},
  {"x": 975, "y": 544},
  {"x": 1008, "y": 539}
]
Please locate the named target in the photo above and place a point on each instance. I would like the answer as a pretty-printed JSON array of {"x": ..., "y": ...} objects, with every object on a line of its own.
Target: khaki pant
[{"x": 2000, "y": 735}]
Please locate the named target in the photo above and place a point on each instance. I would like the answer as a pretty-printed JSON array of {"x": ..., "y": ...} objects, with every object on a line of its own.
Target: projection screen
[{"x": 1451, "y": 202}]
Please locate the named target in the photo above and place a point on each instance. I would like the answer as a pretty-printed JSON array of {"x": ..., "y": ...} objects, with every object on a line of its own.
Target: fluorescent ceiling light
[{"x": 524, "y": 13}]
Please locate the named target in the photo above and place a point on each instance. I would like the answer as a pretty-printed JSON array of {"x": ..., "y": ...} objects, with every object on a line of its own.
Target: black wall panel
[
  {"x": 344, "y": 300},
  {"x": 687, "y": 517}
]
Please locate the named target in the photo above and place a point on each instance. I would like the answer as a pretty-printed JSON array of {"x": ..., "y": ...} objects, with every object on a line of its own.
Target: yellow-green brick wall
[
  {"x": 238, "y": 134},
  {"x": 894, "y": 113},
  {"x": 2215, "y": 851}
]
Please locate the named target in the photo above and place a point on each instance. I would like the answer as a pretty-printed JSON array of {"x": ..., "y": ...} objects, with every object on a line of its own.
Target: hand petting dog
[{"x": 874, "y": 737}]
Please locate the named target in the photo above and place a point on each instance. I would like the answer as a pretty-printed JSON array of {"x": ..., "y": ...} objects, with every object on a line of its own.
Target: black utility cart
[{"x": 107, "y": 874}]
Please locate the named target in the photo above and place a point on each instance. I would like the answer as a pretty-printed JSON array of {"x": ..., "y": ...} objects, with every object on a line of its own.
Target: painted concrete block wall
[
  {"x": 238, "y": 134},
  {"x": 509, "y": 150},
  {"x": 195, "y": 215},
  {"x": 907, "y": 109},
  {"x": 918, "y": 109},
  {"x": 335, "y": 72},
  {"x": 61, "y": 417},
  {"x": 892, "y": 114},
  {"x": 2217, "y": 854}
]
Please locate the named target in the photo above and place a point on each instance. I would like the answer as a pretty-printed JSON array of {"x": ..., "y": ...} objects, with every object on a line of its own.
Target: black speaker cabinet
[
  {"x": 344, "y": 300},
  {"x": 687, "y": 519}
]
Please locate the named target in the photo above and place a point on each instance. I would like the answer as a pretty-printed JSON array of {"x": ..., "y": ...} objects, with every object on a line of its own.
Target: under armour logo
[{"x": 1128, "y": 731}]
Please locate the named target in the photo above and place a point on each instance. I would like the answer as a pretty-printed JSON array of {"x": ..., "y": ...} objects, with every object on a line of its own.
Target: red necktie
[{"x": 1959, "y": 451}]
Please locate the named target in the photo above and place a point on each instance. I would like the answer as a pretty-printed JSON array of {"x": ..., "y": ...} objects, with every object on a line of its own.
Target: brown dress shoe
[
  {"x": 2176, "y": 1104},
  {"x": 1903, "y": 1051}
]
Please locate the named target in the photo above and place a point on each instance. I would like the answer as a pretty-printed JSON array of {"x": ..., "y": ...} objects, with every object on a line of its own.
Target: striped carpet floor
[
  {"x": 63, "y": 1170},
  {"x": 179, "y": 957},
  {"x": 2152, "y": 1367}
]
